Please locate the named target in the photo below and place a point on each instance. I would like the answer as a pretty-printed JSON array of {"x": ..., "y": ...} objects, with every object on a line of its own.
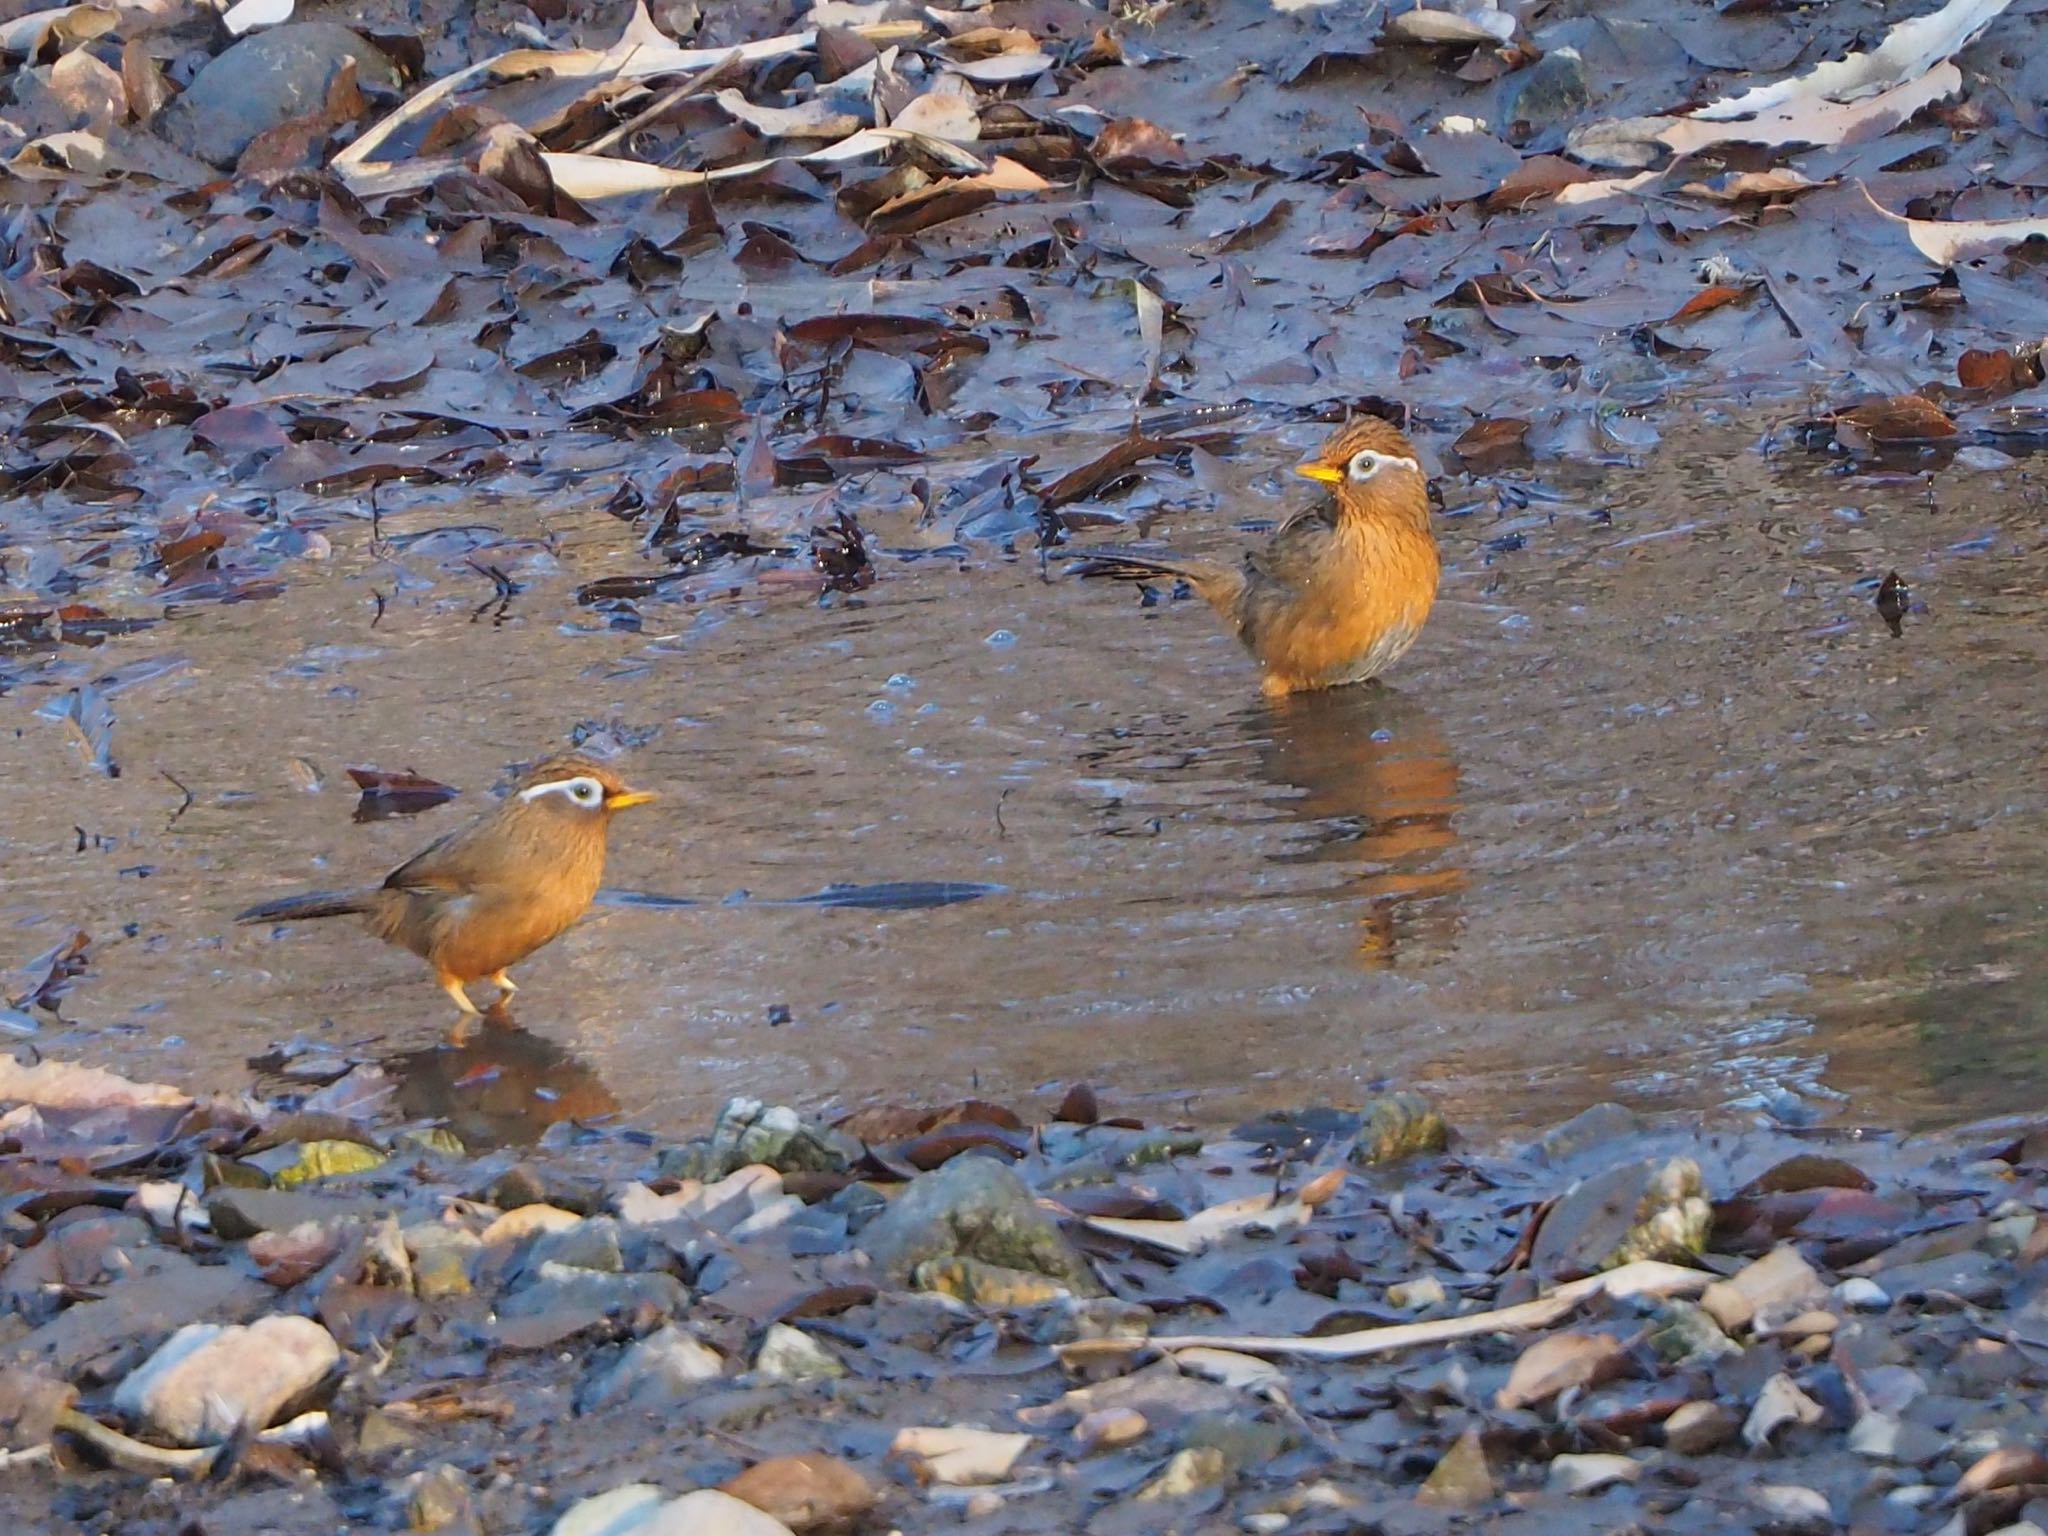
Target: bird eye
[
  {"x": 1364, "y": 464},
  {"x": 586, "y": 792}
]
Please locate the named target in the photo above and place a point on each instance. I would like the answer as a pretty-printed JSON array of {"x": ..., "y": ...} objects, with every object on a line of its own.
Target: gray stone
[
  {"x": 776, "y": 1136},
  {"x": 239, "y": 1214},
  {"x": 1636, "y": 1210},
  {"x": 263, "y": 81},
  {"x": 590, "y": 1244},
  {"x": 163, "y": 1291},
  {"x": 206, "y": 1381},
  {"x": 1975, "y": 1277},
  {"x": 1553, "y": 92},
  {"x": 561, "y": 1288},
  {"x": 654, "y": 1372},
  {"x": 975, "y": 1208},
  {"x": 1589, "y": 1128}
]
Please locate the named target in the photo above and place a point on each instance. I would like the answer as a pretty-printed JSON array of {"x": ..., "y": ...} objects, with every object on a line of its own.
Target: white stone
[
  {"x": 1793, "y": 1509},
  {"x": 790, "y": 1354},
  {"x": 1586, "y": 1474},
  {"x": 1860, "y": 1294},
  {"x": 206, "y": 1381},
  {"x": 616, "y": 1513}
]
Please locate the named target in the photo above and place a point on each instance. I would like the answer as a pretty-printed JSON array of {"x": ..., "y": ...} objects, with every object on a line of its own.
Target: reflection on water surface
[{"x": 1658, "y": 809}]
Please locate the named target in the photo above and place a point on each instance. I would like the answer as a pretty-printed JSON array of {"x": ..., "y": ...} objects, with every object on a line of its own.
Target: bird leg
[
  {"x": 452, "y": 985},
  {"x": 503, "y": 983}
]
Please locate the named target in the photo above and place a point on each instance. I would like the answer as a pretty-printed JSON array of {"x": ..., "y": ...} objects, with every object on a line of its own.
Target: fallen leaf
[{"x": 1562, "y": 1362}]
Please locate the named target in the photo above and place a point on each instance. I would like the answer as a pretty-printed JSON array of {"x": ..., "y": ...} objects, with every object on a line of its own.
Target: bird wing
[
  {"x": 1296, "y": 548},
  {"x": 440, "y": 866}
]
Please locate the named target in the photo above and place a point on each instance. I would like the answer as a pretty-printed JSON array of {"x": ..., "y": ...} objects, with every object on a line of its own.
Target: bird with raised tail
[
  {"x": 1339, "y": 592},
  {"x": 487, "y": 895}
]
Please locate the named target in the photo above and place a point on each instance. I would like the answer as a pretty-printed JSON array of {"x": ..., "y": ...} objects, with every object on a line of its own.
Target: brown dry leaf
[
  {"x": 1133, "y": 144},
  {"x": 2002, "y": 1468},
  {"x": 1998, "y": 373},
  {"x": 1707, "y": 300},
  {"x": 1559, "y": 1363},
  {"x": 1322, "y": 1188},
  {"x": 806, "y": 1491},
  {"x": 1539, "y": 176},
  {"x": 1897, "y": 419},
  {"x": 1492, "y": 443},
  {"x": 405, "y": 781}
]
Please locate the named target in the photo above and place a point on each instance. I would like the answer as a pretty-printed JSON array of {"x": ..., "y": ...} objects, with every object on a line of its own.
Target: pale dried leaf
[
  {"x": 1908, "y": 51},
  {"x": 1948, "y": 241}
]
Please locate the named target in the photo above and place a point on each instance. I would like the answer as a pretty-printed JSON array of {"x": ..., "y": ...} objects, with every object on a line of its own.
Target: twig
[
  {"x": 666, "y": 102},
  {"x": 1645, "y": 1277}
]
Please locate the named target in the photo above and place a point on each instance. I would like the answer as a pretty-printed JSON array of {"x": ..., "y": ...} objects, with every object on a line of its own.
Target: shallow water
[{"x": 1657, "y": 811}]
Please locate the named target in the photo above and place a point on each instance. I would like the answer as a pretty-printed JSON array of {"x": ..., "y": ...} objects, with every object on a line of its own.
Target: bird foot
[{"x": 452, "y": 985}]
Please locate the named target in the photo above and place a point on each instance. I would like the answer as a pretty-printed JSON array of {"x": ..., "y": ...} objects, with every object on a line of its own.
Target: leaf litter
[
  {"x": 950, "y": 262},
  {"x": 813, "y": 1310}
]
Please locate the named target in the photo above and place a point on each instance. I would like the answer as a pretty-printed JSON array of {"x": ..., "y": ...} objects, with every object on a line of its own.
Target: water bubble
[
  {"x": 1383, "y": 735},
  {"x": 1001, "y": 637},
  {"x": 882, "y": 709},
  {"x": 902, "y": 682}
]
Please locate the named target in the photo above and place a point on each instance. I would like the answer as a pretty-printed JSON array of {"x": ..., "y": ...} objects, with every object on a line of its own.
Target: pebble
[
  {"x": 958, "y": 1454},
  {"x": 1188, "y": 1471},
  {"x": 790, "y": 1354},
  {"x": 206, "y": 1381},
  {"x": 1697, "y": 1428},
  {"x": 1792, "y": 1511},
  {"x": 610, "y": 1514},
  {"x": 262, "y": 82},
  {"x": 976, "y": 1208},
  {"x": 525, "y": 1221},
  {"x": 805, "y": 1492},
  {"x": 1778, "y": 1404},
  {"x": 1415, "y": 1295},
  {"x": 1589, "y": 1473},
  {"x": 1861, "y": 1294},
  {"x": 655, "y": 1371}
]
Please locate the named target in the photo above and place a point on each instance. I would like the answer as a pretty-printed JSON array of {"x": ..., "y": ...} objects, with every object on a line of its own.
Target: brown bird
[
  {"x": 1338, "y": 592},
  {"x": 489, "y": 894}
]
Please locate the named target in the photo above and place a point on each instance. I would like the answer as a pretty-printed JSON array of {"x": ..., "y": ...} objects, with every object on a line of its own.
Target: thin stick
[{"x": 1645, "y": 1277}]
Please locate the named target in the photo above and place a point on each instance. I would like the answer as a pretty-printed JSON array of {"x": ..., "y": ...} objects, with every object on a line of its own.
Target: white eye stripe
[
  {"x": 1368, "y": 462},
  {"x": 583, "y": 790}
]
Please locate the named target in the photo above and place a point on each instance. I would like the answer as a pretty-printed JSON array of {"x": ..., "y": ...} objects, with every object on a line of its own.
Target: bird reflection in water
[
  {"x": 496, "y": 1084},
  {"x": 1379, "y": 789}
]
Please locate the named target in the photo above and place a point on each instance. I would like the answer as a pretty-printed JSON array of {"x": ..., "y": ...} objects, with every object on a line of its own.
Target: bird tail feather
[
  {"x": 288, "y": 909},
  {"x": 1216, "y": 582}
]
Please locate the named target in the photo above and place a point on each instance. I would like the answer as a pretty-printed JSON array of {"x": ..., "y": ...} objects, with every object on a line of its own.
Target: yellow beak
[
  {"x": 1327, "y": 473},
  {"x": 626, "y": 798}
]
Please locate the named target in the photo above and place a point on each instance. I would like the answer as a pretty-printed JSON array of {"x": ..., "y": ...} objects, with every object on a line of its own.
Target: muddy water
[{"x": 1657, "y": 811}]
